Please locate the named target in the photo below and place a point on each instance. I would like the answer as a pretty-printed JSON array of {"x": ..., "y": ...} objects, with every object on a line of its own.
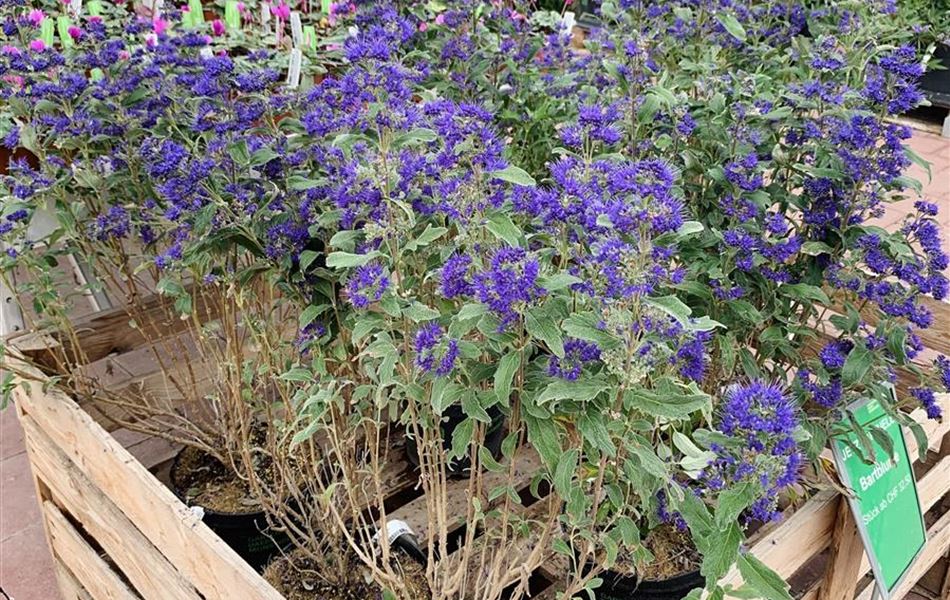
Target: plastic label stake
[
  {"x": 94, "y": 8},
  {"x": 296, "y": 31},
  {"x": 293, "y": 74},
  {"x": 325, "y": 6},
  {"x": 47, "y": 31},
  {"x": 197, "y": 12},
  {"x": 232, "y": 16},
  {"x": 62, "y": 26},
  {"x": 310, "y": 37}
]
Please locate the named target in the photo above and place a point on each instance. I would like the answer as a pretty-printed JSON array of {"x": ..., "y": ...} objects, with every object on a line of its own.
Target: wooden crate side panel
[
  {"x": 143, "y": 565},
  {"x": 95, "y": 575},
  {"x": 201, "y": 556},
  {"x": 810, "y": 529},
  {"x": 69, "y": 586}
]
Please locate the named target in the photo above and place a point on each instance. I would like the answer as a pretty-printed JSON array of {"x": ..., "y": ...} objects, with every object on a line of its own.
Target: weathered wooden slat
[
  {"x": 109, "y": 332},
  {"x": 149, "y": 572},
  {"x": 201, "y": 556},
  {"x": 841, "y": 577},
  {"x": 83, "y": 561},
  {"x": 69, "y": 586}
]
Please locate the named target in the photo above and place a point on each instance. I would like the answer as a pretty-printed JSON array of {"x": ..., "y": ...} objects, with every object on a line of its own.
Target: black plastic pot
[
  {"x": 624, "y": 587},
  {"x": 247, "y": 533},
  {"x": 936, "y": 84},
  {"x": 452, "y": 418}
]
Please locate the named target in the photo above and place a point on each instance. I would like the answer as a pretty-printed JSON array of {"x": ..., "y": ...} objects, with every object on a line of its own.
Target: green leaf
[
  {"x": 515, "y": 175},
  {"x": 564, "y": 474},
  {"x": 650, "y": 462},
  {"x": 462, "y": 438},
  {"x": 585, "y": 326},
  {"x": 856, "y": 365},
  {"x": 667, "y": 406},
  {"x": 593, "y": 428},
  {"x": 420, "y": 312},
  {"x": 732, "y": 25},
  {"x": 310, "y": 313},
  {"x": 558, "y": 282},
  {"x": 343, "y": 260},
  {"x": 542, "y": 435},
  {"x": 306, "y": 258},
  {"x": 300, "y": 183},
  {"x": 544, "y": 328},
  {"x": 763, "y": 579},
  {"x": 505, "y": 373},
  {"x": 420, "y": 135},
  {"x": 689, "y": 228},
  {"x": 471, "y": 311},
  {"x": 722, "y": 550},
  {"x": 804, "y": 291},
  {"x": 578, "y": 391},
  {"x": 425, "y": 238},
  {"x": 732, "y": 502},
  {"x": 297, "y": 374},
  {"x": 504, "y": 229},
  {"x": 816, "y": 248},
  {"x": 671, "y": 305}
]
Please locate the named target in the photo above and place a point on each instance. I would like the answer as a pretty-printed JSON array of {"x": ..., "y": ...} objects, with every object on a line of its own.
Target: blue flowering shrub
[{"x": 650, "y": 262}]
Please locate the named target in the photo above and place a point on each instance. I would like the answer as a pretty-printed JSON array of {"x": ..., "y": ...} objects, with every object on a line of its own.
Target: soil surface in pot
[
  {"x": 296, "y": 577},
  {"x": 205, "y": 481},
  {"x": 674, "y": 554}
]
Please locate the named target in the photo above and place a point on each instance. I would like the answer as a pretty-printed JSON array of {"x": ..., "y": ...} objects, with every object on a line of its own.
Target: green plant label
[
  {"x": 885, "y": 503},
  {"x": 232, "y": 16},
  {"x": 62, "y": 26},
  {"x": 196, "y": 12},
  {"x": 94, "y": 8},
  {"x": 325, "y": 6},
  {"x": 47, "y": 31}
]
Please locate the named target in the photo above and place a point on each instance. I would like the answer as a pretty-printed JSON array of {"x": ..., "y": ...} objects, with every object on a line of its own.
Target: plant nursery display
[{"x": 437, "y": 295}]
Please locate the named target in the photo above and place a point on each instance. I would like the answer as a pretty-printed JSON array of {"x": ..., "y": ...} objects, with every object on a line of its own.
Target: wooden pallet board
[{"x": 105, "y": 509}]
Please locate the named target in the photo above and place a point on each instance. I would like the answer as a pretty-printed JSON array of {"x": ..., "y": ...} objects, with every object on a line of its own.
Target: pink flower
[
  {"x": 10, "y": 50},
  {"x": 185, "y": 8},
  {"x": 124, "y": 55},
  {"x": 74, "y": 32},
  {"x": 14, "y": 79},
  {"x": 423, "y": 26},
  {"x": 159, "y": 25},
  {"x": 36, "y": 17},
  {"x": 151, "y": 40},
  {"x": 37, "y": 45},
  {"x": 440, "y": 19},
  {"x": 281, "y": 11},
  {"x": 217, "y": 27},
  {"x": 241, "y": 7},
  {"x": 95, "y": 19}
]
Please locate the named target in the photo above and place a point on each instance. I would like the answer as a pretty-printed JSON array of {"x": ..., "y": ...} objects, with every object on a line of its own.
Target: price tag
[
  {"x": 325, "y": 6},
  {"x": 310, "y": 37},
  {"x": 232, "y": 16},
  {"x": 265, "y": 16},
  {"x": 296, "y": 31},
  {"x": 94, "y": 8},
  {"x": 75, "y": 7},
  {"x": 293, "y": 73},
  {"x": 885, "y": 504},
  {"x": 197, "y": 12},
  {"x": 47, "y": 32},
  {"x": 62, "y": 26}
]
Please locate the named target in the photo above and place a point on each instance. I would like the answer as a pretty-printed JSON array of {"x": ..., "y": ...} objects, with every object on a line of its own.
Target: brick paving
[{"x": 26, "y": 570}]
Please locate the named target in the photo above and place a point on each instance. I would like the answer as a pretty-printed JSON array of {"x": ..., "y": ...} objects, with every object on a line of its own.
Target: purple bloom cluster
[
  {"x": 760, "y": 420},
  {"x": 509, "y": 284},
  {"x": 367, "y": 284},
  {"x": 435, "y": 354},
  {"x": 577, "y": 353}
]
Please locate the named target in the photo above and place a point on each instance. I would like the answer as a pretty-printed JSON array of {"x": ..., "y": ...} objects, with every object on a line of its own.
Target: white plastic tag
[
  {"x": 198, "y": 511},
  {"x": 75, "y": 7},
  {"x": 296, "y": 30},
  {"x": 293, "y": 73},
  {"x": 394, "y": 529},
  {"x": 568, "y": 21},
  {"x": 206, "y": 52}
]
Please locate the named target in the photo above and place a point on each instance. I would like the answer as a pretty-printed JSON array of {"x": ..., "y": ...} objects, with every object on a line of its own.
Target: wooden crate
[{"x": 115, "y": 531}]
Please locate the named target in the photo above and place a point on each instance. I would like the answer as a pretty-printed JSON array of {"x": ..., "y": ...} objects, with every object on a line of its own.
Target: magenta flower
[
  {"x": 281, "y": 11},
  {"x": 36, "y": 17},
  {"x": 10, "y": 50},
  {"x": 74, "y": 32},
  {"x": 159, "y": 25},
  {"x": 217, "y": 28},
  {"x": 37, "y": 45}
]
